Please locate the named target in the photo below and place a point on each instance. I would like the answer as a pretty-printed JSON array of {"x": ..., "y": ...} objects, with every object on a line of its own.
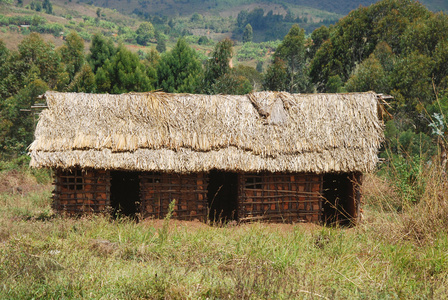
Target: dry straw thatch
[{"x": 266, "y": 131}]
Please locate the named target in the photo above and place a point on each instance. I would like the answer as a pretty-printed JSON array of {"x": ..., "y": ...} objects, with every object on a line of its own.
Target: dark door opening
[
  {"x": 339, "y": 199},
  {"x": 124, "y": 193},
  {"x": 222, "y": 196}
]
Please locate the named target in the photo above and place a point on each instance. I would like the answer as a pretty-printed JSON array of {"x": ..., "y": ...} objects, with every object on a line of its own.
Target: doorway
[
  {"x": 124, "y": 193},
  {"x": 339, "y": 199},
  {"x": 222, "y": 196}
]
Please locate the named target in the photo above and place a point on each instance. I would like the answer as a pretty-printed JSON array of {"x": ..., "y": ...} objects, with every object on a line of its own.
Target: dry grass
[
  {"x": 427, "y": 219},
  {"x": 421, "y": 221},
  {"x": 13, "y": 39}
]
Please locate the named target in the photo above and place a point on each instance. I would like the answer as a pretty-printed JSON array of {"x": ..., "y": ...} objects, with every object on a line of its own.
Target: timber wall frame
[
  {"x": 272, "y": 197},
  {"x": 81, "y": 191},
  {"x": 280, "y": 197},
  {"x": 157, "y": 190}
]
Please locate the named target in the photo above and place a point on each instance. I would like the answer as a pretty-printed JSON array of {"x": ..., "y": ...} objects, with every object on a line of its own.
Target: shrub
[{"x": 203, "y": 40}]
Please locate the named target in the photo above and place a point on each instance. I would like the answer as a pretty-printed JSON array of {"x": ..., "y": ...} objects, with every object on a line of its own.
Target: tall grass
[
  {"x": 392, "y": 254},
  {"x": 411, "y": 193}
]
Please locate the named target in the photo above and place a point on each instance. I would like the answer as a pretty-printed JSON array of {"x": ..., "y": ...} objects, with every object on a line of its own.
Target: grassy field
[{"x": 390, "y": 255}]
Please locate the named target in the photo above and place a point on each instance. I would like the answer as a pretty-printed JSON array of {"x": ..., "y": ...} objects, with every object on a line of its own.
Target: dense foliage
[
  {"x": 290, "y": 57},
  {"x": 395, "y": 47},
  {"x": 179, "y": 70}
]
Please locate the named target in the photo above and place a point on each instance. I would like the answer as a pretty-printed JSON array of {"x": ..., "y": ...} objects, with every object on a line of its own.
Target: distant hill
[
  {"x": 175, "y": 8},
  {"x": 436, "y": 5},
  {"x": 336, "y": 6},
  {"x": 187, "y": 7},
  {"x": 195, "y": 19},
  {"x": 345, "y": 6}
]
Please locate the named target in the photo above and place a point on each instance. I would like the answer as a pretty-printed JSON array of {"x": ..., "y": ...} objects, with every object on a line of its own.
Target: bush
[
  {"x": 85, "y": 35},
  {"x": 13, "y": 28},
  {"x": 407, "y": 176},
  {"x": 51, "y": 28},
  {"x": 203, "y": 40}
]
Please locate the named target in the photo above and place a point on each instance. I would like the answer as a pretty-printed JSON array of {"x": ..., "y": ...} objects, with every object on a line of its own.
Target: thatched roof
[{"x": 266, "y": 131}]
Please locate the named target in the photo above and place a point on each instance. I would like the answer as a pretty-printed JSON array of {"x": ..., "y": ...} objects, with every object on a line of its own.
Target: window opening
[{"x": 73, "y": 180}]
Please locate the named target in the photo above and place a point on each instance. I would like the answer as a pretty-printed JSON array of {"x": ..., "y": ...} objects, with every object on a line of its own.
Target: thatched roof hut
[{"x": 183, "y": 133}]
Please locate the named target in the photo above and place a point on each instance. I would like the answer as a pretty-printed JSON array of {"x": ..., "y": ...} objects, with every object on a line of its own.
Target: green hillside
[
  {"x": 215, "y": 20},
  {"x": 188, "y": 7}
]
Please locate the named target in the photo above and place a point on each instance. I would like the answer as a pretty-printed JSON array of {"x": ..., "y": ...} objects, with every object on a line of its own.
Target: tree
[
  {"x": 247, "y": 34},
  {"x": 368, "y": 76},
  {"x": 411, "y": 82},
  {"x": 84, "y": 81},
  {"x": 36, "y": 5},
  {"x": 179, "y": 70},
  {"x": 251, "y": 74},
  {"x": 232, "y": 84},
  {"x": 276, "y": 78},
  {"x": 383, "y": 52},
  {"x": 72, "y": 53},
  {"x": 203, "y": 40},
  {"x": 34, "y": 51},
  {"x": 256, "y": 19},
  {"x": 292, "y": 52},
  {"x": 152, "y": 57},
  {"x": 318, "y": 37},
  {"x": 47, "y": 6},
  {"x": 335, "y": 84},
  {"x": 242, "y": 18},
  {"x": 5, "y": 67},
  {"x": 16, "y": 127},
  {"x": 102, "y": 79},
  {"x": 145, "y": 33},
  {"x": 218, "y": 64},
  {"x": 123, "y": 73},
  {"x": 401, "y": 24},
  {"x": 161, "y": 42},
  {"x": 161, "y": 45},
  {"x": 259, "y": 66},
  {"x": 101, "y": 50},
  {"x": 150, "y": 62},
  {"x": 440, "y": 72},
  {"x": 196, "y": 18}
]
